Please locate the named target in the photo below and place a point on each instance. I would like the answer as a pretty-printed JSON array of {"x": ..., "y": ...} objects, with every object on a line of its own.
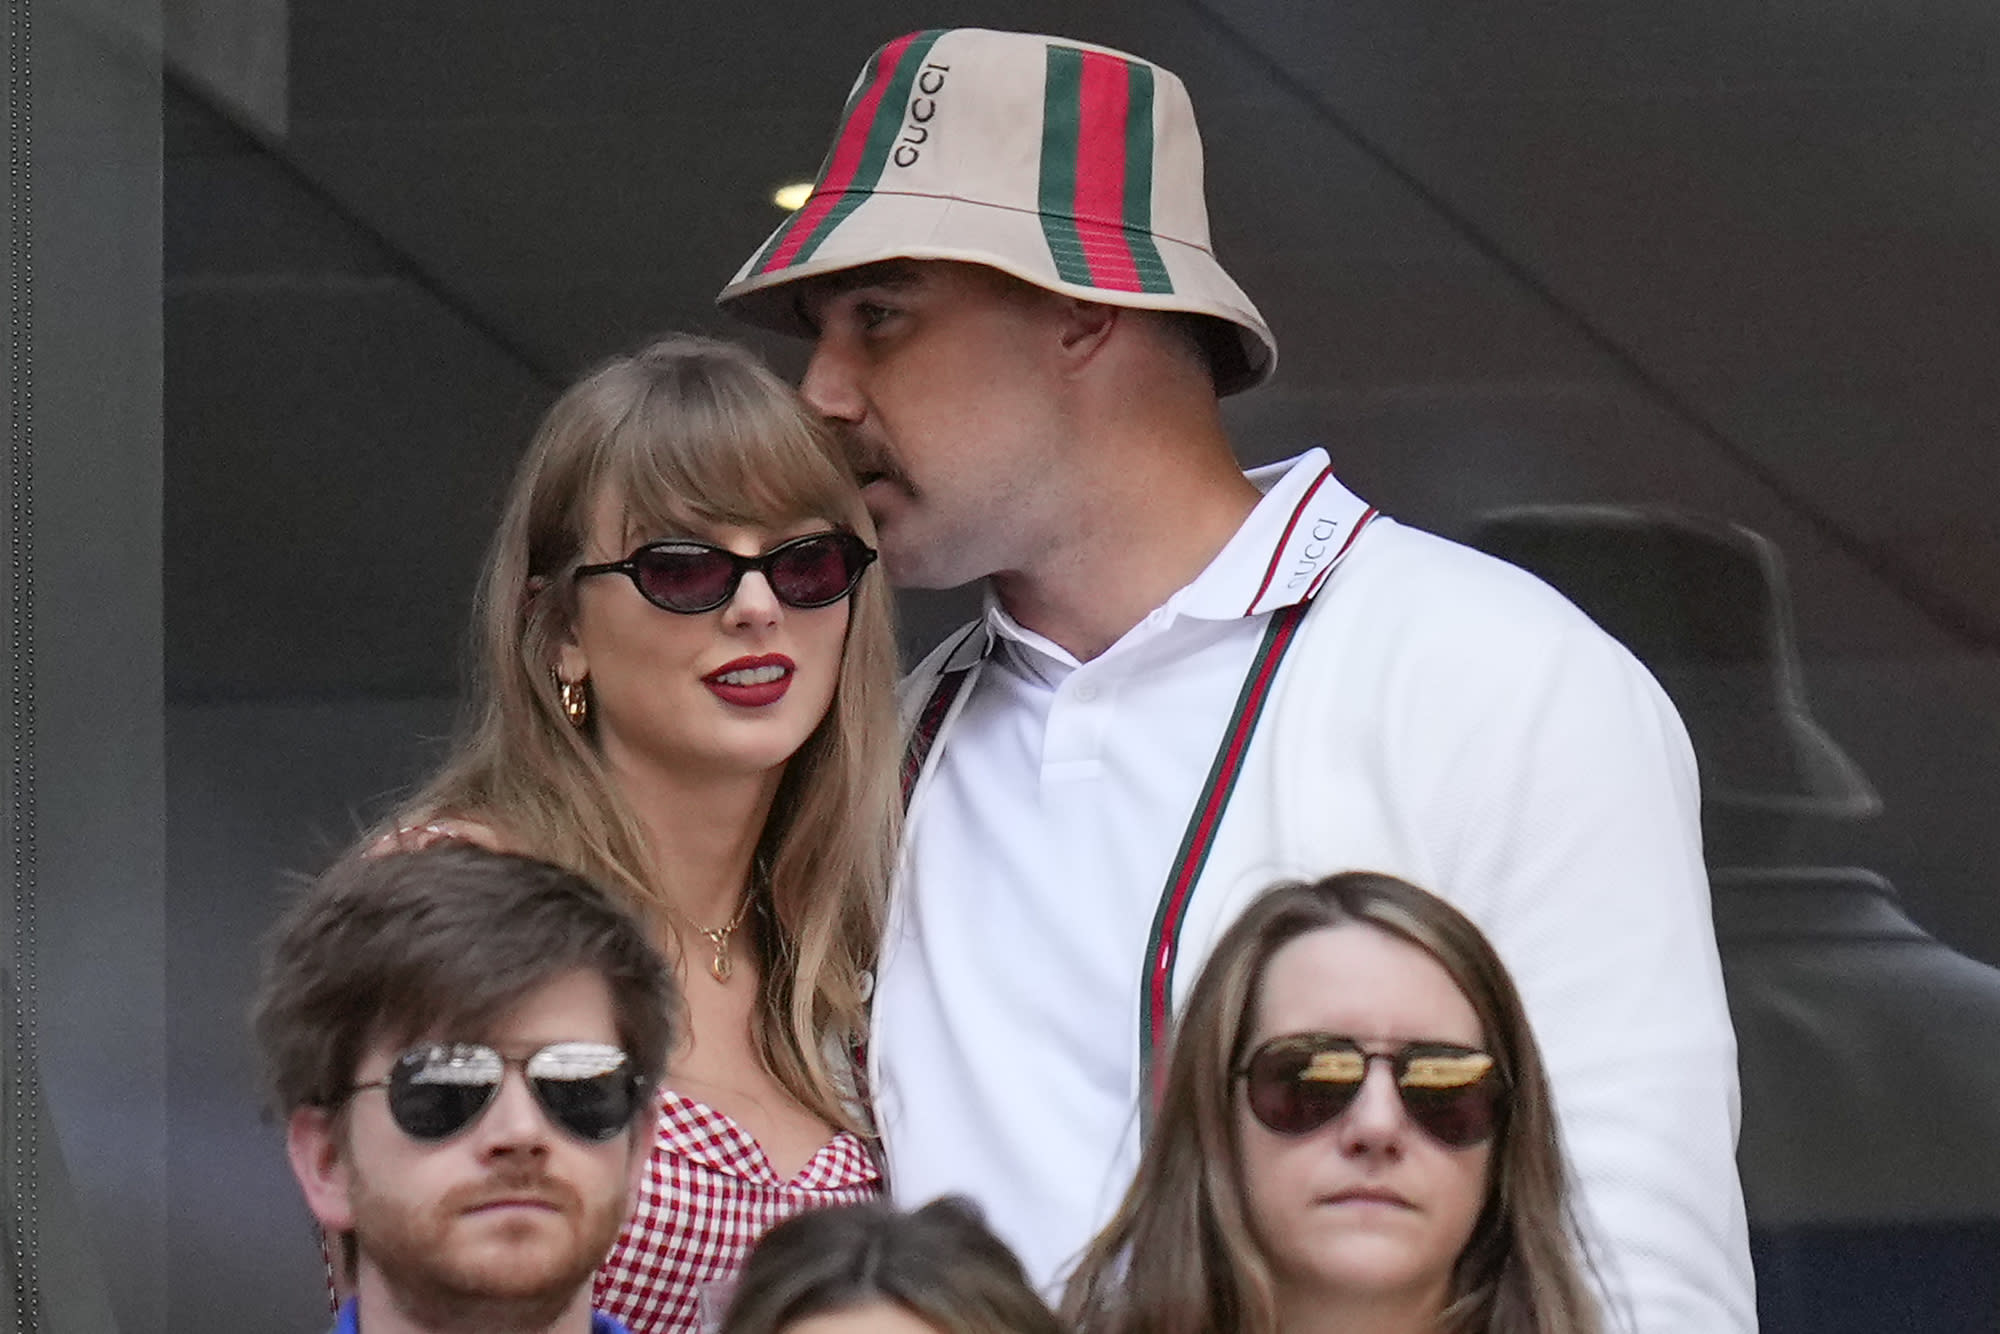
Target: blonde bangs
[{"x": 723, "y": 450}]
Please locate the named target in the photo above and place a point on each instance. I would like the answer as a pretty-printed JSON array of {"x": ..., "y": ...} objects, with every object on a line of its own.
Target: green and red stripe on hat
[{"x": 1070, "y": 166}]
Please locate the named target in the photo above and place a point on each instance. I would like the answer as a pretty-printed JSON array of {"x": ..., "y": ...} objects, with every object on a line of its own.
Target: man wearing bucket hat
[{"x": 1189, "y": 683}]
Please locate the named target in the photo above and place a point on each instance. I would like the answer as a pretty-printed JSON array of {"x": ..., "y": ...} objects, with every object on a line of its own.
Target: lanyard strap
[
  {"x": 1163, "y": 942},
  {"x": 929, "y": 723}
]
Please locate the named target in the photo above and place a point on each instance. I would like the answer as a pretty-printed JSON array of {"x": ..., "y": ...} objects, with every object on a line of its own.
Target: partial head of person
[
  {"x": 681, "y": 597},
  {"x": 464, "y": 1046},
  {"x": 873, "y": 1269},
  {"x": 1005, "y": 256},
  {"x": 1354, "y": 1131}
]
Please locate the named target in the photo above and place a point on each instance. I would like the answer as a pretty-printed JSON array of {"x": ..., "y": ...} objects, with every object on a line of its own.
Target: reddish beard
[{"x": 449, "y": 1268}]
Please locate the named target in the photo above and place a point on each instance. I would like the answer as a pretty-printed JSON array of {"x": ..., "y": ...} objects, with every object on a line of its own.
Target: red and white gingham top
[{"x": 708, "y": 1195}]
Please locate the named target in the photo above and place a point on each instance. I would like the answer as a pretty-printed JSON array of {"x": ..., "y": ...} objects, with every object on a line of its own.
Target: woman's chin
[
  {"x": 740, "y": 749},
  {"x": 1367, "y": 1267}
]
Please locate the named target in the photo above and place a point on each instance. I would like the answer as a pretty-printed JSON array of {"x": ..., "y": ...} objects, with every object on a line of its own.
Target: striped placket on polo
[
  {"x": 868, "y": 129},
  {"x": 1097, "y": 171}
]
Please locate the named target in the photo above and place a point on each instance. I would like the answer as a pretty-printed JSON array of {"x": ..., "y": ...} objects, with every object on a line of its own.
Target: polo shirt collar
[
  {"x": 1285, "y": 549},
  {"x": 1281, "y": 555}
]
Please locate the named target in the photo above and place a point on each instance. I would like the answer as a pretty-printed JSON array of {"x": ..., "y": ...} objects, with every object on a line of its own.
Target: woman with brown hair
[
  {"x": 1355, "y": 1134},
  {"x": 685, "y": 693},
  {"x": 869, "y": 1269}
]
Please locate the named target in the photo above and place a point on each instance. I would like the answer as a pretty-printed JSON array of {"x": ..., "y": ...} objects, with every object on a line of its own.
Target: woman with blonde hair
[
  {"x": 1354, "y": 1134},
  {"x": 684, "y": 692}
]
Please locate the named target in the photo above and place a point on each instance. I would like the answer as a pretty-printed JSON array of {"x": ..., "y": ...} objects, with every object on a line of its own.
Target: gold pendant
[{"x": 719, "y": 966}]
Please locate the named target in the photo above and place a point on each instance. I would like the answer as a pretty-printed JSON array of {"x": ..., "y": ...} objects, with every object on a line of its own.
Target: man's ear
[
  {"x": 319, "y": 1161},
  {"x": 1084, "y": 328}
]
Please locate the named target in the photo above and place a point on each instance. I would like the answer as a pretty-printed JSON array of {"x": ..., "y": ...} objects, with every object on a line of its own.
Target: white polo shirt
[{"x": 1007, "y": 1009}]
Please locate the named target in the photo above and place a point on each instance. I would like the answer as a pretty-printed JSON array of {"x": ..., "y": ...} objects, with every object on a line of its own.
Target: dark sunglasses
[
  {"x": 1299, "y": 1082},
  {"x": 436, "y": 1090},
  {"x": 692, "y": 577}
]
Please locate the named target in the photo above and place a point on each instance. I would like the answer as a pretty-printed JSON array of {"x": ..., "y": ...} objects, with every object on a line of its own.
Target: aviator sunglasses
[
  {"x": 690, "y": 577},
  {"x": 588, "y": 1088},
  {"x": 1299, "y": 1082}
]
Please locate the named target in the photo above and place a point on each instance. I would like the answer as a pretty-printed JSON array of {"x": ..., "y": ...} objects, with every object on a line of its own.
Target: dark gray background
[{"x": 1736, "y": 258}]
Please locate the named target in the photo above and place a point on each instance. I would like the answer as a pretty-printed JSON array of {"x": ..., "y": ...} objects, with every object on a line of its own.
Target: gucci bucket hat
[{"x": 1070, "y": 166}]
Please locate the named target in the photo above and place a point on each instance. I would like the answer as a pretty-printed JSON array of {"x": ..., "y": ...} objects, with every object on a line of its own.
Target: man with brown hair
[
  {"x": 1189, "y": 682},
  {"x": 465, "y": 1046}
]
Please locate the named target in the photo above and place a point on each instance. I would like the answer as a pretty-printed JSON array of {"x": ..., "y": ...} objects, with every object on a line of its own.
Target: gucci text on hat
[{"x": 1070, "y": 166}]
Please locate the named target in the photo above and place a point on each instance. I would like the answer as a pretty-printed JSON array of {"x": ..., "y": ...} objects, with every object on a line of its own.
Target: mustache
[
  {"x": 514, "y": 1184},
  {"x": 866, "y": 460}
]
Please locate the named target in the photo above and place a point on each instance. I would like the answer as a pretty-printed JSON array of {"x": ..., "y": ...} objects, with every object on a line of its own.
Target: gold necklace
[{"x": 720, "y": 966}]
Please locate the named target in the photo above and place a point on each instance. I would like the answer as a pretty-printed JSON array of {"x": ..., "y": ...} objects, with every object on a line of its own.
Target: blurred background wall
[{"x": 308, "y": 272}]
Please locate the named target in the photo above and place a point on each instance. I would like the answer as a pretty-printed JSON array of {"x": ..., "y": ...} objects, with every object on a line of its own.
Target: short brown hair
[
  {"x": 444, "y": 940},
  {"x": 1217, "y": 343},
  {"x": 942, "y": 1264}
]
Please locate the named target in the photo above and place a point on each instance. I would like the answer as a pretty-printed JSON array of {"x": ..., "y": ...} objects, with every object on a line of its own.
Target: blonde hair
[
  {"x": 683, "y": 433},
  {"x": 1180, "y": 1257}
]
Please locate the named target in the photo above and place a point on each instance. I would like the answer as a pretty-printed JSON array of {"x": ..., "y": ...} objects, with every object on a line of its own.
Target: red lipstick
[{"x": 753, "y": 682}]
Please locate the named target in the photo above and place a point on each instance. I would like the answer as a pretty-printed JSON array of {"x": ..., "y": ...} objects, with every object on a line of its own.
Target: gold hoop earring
[{"x": 575, "y": 702}]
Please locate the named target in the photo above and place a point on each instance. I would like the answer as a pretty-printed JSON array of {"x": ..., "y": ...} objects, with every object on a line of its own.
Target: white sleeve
[{"x": 1566, "y": 817}]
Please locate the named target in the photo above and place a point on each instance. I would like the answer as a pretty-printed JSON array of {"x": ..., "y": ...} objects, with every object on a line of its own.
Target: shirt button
[{"x": 1086, "y": 692}]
